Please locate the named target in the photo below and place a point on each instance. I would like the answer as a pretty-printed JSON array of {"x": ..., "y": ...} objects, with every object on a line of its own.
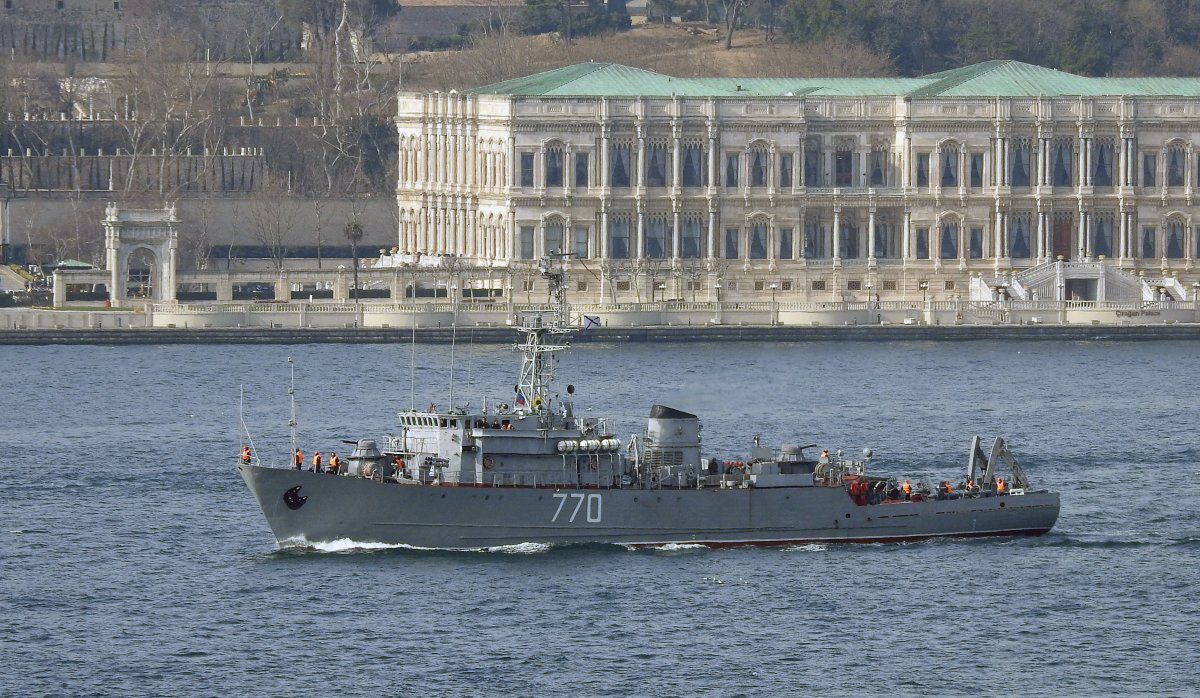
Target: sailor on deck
[
  {"x": 245, "y": 454},
  {"x": 297, "y": 460},
  {"x": 334, "y": 462},
  {"x": 316, "y": 462}
]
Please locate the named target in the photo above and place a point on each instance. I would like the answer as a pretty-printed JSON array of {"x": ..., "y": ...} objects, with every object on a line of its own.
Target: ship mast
[{"x": 544, "y": 336}]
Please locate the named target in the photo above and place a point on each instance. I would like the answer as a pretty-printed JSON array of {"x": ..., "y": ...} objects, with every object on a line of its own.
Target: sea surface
[{"x": 133, "y": 562}]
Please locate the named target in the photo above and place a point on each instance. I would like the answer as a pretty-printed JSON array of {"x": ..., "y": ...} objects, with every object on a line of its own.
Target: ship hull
[{"x": 302, "y": 506}]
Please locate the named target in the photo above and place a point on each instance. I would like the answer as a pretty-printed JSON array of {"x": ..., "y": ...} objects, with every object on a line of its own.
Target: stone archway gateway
[{"x": 147, "y": 233}]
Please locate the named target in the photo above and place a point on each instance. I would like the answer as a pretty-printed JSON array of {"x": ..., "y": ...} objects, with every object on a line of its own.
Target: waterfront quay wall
[{"x": 372, "y": 322}]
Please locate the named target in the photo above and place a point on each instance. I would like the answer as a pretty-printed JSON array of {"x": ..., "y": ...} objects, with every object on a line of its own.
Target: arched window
[
  {"x": 554, "y": 237},
  {"x": 758, "y": 165},
  {"x": 1018, "y": 235},
  {"x": 1020, "y": 163},
  {"x": 877, "y": 163},
  {"x": 656, "y": 164},
  {"x": 812, "y": 163},
  {"x": 1103, "y": 223},
  {"x": 619, "y": 227},
  {"x": 886, "y": 241},
  {"x": 692, "y": 240},
  {"x": 949, "y": 239},
  {"x": 1174, "y": 238},
  {"x": 619, "y": 164},
  {"x": 949, "y": 164},
  {"x": 758, "y": 238},
  {"x": 843, "y": 164},
  {"x": 657, "y": 239},
  {"x": 1102, "y": 176},
  {"x": 695, "y": 166},
  {"x": 554, "y": 165},
  {"x": 1062, "y": 162},
  {"x": 1176, "y": 159}
]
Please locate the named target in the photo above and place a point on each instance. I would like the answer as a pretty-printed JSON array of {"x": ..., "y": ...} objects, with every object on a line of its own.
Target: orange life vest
[
  {"x": 906, "y": 487},
  {"x": 317, "y": 459}
]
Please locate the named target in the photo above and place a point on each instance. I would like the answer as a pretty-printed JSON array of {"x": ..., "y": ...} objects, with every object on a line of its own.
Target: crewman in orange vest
[
  {"x": 970, "y": 485},
  {"x": 298, "y": 460},
  {"x": 906, "y": 489},
  {"x": 334, "y": 461},
  {"x": 245, "y": 454},
  {"x": 946, "y": 487},
  {"x": 316, "y": 462},
  {"x": 1000, "y": 485}
]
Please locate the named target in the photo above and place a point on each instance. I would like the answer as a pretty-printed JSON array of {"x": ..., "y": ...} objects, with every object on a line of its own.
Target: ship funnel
[{"x": 672, "y": 437}]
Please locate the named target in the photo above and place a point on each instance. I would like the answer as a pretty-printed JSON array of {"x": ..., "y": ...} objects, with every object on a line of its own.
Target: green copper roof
[{"x": 988, "y": 79}]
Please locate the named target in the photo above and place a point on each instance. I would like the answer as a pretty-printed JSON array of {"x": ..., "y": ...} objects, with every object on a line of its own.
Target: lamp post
[
  {"x": 867, "y": 286},
  {"x": 1196, "y": 301},
  {"x": 924, "y": 286},
  {"x": 717, "y": 288},
  {"x": 774, "y": 305}
]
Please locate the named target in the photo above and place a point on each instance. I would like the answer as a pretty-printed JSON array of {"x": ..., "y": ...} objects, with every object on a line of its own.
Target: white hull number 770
[{"x": 593, "y": 512}]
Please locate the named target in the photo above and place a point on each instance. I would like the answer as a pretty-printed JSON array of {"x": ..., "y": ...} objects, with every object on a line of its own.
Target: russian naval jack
[{"x": 529, "y": 469}]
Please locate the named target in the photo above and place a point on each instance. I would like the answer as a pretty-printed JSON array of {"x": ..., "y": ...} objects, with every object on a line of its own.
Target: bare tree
[
  {"x": 273, "y": 215},
  {"x": 354, "y": 233}
]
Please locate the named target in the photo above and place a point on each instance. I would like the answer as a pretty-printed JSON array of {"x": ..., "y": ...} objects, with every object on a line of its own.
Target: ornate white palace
[{"x": 997, "y": 180}]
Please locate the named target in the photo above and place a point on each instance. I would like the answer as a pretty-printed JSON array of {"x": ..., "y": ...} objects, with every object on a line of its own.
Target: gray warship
[{"x": 529, "y": 469}]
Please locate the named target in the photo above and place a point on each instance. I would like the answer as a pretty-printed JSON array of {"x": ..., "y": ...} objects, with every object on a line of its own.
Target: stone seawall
[{"x": 506, "y": 335}]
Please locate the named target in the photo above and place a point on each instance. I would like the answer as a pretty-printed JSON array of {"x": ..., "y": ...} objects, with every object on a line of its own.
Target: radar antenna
[{"x": 544, "y": 336}]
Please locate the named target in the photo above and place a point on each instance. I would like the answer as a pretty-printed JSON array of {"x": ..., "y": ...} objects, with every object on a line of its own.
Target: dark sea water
[{"x": 133, "y": 561}]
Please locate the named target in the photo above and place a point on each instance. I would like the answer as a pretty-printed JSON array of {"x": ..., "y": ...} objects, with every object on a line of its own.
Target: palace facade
[{"x": 971, "y": 182}]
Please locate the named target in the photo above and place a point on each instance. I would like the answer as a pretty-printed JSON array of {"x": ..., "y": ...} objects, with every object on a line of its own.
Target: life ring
[{"x": 488, "y": 463}]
